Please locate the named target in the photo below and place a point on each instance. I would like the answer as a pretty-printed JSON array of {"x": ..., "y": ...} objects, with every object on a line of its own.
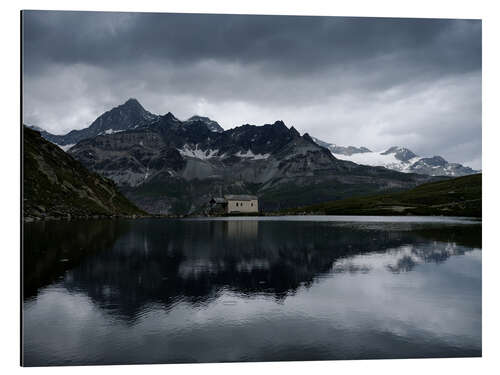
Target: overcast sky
[{"x": 370, "y": 82}]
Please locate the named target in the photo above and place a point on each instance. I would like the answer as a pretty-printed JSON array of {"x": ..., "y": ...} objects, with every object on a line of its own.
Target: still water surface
[{"x": 255, "y": 289}]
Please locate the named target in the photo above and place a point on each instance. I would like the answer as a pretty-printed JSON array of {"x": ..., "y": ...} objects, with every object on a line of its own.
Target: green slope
[
  {"x": 57, "y": 186},
  {"x": 455, "y": 197}
]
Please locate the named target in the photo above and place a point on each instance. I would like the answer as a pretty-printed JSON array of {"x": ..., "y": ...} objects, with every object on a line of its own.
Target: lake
[{"x": 250, "y": 289}]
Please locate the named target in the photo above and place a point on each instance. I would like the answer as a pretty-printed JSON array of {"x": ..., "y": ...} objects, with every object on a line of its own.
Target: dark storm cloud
[
  {"x": 298, "y": 43},
  {"x": 397, "y": 80}
]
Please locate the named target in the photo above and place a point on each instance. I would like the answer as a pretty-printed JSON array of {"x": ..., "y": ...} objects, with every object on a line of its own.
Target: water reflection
[
  {"x": 51, "y": 248},
  {"x": 163, "y": 261},
  {"x": 132, "y": 269}
]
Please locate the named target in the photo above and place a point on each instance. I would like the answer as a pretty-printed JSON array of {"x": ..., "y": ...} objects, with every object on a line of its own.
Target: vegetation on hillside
[
  {"x": 57, "y": 186},
  {"x": 455, "y": 197}
]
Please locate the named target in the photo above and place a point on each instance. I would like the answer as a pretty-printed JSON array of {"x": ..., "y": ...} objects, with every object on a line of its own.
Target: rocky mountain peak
[
  {"x": 279, "y": 123},
  {"x": 400, "y": 153},
  {"x": 132, "y": 102},
  {"x": 390, "y": 150},
  {"x": 198, "y": 118},
  {"x": 307, "y": 137},
  {"x": 123, "y": 117},
  {"x": 128, "y": 115},
  {"x": 294, "y": 132},
  {"x": 210, "y": 124},
  {"x": 170, "y": 116},
  {"x": 131, "y": 108},
  {"x": 435, "y": 161}
]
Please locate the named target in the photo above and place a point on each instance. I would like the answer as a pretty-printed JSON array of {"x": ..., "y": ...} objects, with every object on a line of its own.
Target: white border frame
[{"x": 10, "y": 158}]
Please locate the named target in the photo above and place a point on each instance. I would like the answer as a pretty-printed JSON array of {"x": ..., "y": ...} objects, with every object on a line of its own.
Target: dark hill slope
[
  {"x": 456, "y": 197},
  {"x": 58, "y": 186}
]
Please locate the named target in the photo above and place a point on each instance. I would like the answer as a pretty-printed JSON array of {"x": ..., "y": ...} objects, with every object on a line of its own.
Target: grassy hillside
[
  {"x": 58, "y": 186},
  {"x": 455, "y": 197}
]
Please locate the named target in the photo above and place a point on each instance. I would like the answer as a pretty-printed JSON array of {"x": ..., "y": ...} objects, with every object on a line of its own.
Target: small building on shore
[{"x": 235, "y": 204}]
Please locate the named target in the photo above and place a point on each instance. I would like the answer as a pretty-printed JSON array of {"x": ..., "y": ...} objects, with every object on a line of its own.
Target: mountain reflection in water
[{"x": 128, "y": 267}]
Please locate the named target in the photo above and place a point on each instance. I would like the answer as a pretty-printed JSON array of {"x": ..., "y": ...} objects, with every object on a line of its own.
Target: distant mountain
[
  {"x": 400, "y": 159},
  {"x": 57, "y": 186},
  {"x": 170, "y": 166},
  {"x": 126, "y": 116},
  {"x": 400, "y": 153},
  {"x": 335, "y": 149}
]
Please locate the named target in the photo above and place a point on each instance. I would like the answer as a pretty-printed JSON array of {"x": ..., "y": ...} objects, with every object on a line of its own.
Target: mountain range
[
  {"x": 398, "y": 158},
  {"x": 168, "y": 166},
  {"x": 132, "y": 115}
]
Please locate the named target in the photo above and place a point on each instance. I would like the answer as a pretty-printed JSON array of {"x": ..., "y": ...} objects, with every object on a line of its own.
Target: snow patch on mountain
[
  {"x": 197, "y": 152},
  {"x": 65, "y": 148},
  {"x": 111, "y": 131},
  {"x": 379, "y": 158},
  {"x": 249, "y": 154}
]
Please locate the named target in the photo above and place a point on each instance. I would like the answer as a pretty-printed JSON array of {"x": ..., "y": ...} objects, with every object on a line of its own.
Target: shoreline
[{"x": 405, "y": 218}]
